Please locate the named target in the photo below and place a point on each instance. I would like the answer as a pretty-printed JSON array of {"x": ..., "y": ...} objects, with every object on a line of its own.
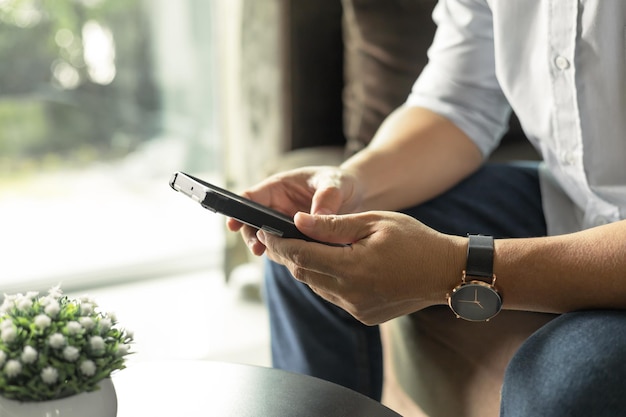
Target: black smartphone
[{"x": 239, "y": 208}]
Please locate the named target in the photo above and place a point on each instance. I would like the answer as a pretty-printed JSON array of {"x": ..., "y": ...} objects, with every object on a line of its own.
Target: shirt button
[
  {"x": 561, "y": 62},
  {"x": 568, "y": 158}
]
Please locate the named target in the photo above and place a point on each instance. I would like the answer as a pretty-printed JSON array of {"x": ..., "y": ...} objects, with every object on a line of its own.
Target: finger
[
  {"x": 327, "y": 198},
  {"x": 249, "y": 237},
  {"x": 302, "y": 257},
  {"x": 233, "y": 225},
  {"x": 273, "y": 245},
  {"x": 345, "y": 229},
  {"x": 323, "y": 284},
  {"x": 326, "y": 201}
]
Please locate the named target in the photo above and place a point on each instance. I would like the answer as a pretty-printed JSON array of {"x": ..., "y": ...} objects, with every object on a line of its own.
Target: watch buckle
[{"x": 464, "y": 278}]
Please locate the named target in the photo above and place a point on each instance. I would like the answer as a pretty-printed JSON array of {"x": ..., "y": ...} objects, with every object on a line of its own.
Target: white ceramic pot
[{"x": 100, "y": 403}]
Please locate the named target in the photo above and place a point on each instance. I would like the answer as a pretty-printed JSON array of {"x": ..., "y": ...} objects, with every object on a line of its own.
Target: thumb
[
  {"x": 328, "y": 197},
  {"x": 342, "y": 229},
  {"x": 326, "y": 201}
]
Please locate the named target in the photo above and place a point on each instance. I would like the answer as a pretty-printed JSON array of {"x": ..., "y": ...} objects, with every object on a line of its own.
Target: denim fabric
[
  {"x": 312, "y": 336},
  {"x": 574, "y": 366}
]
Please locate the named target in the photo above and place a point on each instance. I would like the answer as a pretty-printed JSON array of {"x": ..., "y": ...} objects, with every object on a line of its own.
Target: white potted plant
[{"x": 57, "y": 352}]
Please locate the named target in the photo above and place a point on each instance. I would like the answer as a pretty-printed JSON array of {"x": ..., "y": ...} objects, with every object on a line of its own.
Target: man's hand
[
  {"x": 319, "y": 190},
  {"x": 394, "y": 266}
]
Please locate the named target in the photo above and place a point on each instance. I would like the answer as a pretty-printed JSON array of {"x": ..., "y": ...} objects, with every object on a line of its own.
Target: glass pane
[{"x": 100, "y": 101}]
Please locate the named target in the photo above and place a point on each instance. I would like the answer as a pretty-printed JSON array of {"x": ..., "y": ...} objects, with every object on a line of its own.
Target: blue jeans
[
  {"x": 574, "y": 366},
  {"x": 314, "y": 337}
]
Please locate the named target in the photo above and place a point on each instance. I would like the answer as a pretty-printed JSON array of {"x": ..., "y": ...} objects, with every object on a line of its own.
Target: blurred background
[{"x": 100, "y": 102}]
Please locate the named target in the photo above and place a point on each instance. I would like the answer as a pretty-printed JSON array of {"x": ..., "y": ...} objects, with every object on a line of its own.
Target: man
[{"x": 560, "y": 232}]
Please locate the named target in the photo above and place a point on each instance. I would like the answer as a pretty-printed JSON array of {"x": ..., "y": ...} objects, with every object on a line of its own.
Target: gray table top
[{"x": 205, "y": 388}]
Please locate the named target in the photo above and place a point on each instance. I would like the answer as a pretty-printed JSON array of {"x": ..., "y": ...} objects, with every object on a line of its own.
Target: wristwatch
[{"x": 476, "y": 297}]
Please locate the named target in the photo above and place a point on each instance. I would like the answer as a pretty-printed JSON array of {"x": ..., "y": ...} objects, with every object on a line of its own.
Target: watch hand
[
  {"x": 476, "y": 299},
  {"x": 472, "y": 302}
]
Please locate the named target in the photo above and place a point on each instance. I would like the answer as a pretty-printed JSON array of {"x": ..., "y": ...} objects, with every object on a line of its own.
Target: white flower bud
[
  {"x": 44, "y": 301},
  {"x": 29, "y": 355},
  {"x": 123, "y": 349},
  {"x": 71, "y": 353},
  {"x": 24, "y": 303},
  {"x": 7, "y": 305},
  {"x": 49, "y": 375},
  {"x": 88, "y": 368},
  {"x": 56, "y": 341},
  {"x": 73, "y": 328},
  {"x": 32, "y": 294},
  {"x": 8, "y": 334},
  {"x": 42, "y": 321},
  {"x": 105, "y": 324},
  {"x": 112, "y": 316},
  {"x": 52, "y": 309},
  {"x": 12, "y": 368},
  {"x": 97, "y": 344},
  {"x": 55, "y": 292},
  {"x": 87, "y": 322},
  {"x": 86, "y": 309}
]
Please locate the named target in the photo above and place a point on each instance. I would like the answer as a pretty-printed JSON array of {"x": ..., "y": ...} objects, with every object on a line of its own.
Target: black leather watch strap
[{"x": 480, "y": 257}]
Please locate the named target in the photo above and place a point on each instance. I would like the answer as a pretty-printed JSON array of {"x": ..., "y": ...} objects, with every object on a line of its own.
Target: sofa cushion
[
  {"x": 452, "y": 367},
  {"x": 385, "y": 50}
]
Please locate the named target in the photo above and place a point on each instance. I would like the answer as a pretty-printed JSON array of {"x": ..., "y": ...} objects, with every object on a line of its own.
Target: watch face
[{"x": 475, "y": 301}]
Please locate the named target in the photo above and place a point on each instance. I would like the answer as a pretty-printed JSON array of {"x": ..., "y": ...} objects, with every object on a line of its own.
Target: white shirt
[{"x": 561, "y": 65}]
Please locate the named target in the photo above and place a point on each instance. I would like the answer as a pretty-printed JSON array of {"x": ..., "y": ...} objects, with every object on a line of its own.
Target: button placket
[{"x": 562, "y": 38}]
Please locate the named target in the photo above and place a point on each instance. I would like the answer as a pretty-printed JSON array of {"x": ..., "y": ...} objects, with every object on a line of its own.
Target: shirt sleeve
[{"x": 459, "y": 82}]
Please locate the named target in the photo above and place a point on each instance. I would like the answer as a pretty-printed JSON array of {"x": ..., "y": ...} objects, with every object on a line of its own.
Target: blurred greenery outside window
[
  {"x": 116, "y": 91},
  {"x": 71, "y": 92}
]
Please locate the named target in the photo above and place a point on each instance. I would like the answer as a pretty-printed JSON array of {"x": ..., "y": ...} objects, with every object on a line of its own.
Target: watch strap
[{"x": 480, "y": 257}]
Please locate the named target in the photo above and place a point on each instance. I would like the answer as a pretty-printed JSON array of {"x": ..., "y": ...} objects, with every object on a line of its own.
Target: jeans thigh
[
  {"x": 573, "y": 366},
  {"x": 502, "y": 200}
]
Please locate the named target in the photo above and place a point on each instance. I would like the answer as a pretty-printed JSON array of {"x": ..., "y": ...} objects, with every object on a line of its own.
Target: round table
[{"x": 205, "y": 388}]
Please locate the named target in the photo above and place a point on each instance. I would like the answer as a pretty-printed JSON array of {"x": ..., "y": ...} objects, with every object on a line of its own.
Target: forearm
[
  {"x": 415, "y": 155},
  {"x": 584, "y": 270}
]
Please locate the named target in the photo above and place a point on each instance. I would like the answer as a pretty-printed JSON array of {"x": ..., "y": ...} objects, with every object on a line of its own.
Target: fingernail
[
  {"x": 305, "y": 219},
  {"x": 260, "y": 234}
]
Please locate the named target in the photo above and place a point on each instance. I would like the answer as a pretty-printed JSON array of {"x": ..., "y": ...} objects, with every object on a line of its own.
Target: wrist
[
  {"x": 453, "y": 266},
  {"x": 476, "y": 297}
]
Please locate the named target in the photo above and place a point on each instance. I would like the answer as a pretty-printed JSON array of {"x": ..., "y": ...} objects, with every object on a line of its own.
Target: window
[{"x": 100, "y": 101}]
